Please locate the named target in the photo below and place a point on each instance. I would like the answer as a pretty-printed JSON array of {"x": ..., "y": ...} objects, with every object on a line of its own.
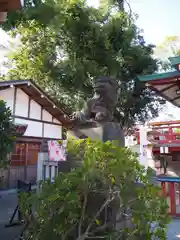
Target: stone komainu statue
[{"x": 101, "y": 107}]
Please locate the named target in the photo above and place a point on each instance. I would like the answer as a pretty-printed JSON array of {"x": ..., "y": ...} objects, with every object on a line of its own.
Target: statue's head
[{"x": 106, "y": 87}]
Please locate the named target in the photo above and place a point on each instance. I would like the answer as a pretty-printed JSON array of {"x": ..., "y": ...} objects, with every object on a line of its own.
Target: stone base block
[{"x": 109, "y": 131}]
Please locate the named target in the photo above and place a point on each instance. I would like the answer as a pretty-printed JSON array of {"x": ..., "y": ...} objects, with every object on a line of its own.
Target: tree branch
[
  {"x": 98, "y": 213},
  {"x": 108, "y": 224},
  {"x": 85, "y": 235},
  {"x": 82, "y": 215}
]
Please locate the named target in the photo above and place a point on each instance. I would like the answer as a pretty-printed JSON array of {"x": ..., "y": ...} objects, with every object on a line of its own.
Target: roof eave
[
  {"x": 159, "y": 76},
  {"x": 65, "y": 119},
  {"x": 174, "y": 60}
]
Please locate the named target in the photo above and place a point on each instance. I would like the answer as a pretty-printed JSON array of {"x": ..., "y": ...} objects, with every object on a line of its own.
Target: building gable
[{"x": 26, "y": 110}]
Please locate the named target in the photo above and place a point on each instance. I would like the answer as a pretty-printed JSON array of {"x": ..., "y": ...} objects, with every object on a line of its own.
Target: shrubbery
[{"x": 102, "y": 199}]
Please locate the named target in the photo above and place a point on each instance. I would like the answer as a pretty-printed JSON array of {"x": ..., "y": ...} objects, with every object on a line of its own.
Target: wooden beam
[
  {"x": 32, "y": 139},
  {"x": 29, "y": 107},
  {"x": 14, "y": 102},
  {"x": 164, "y": 123},
  {"x": 168, "y": 87},
  {"x": 42, "y": 113},
  {"x": 176, "y": 98},
  {"x": 163, "y": 81},
  {"x": 163, "y": 96},
  {"x": 36, "y": 120}
]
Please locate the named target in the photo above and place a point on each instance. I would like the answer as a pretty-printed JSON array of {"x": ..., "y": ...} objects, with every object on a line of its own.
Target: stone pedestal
[{"x": 109, "y": 131}]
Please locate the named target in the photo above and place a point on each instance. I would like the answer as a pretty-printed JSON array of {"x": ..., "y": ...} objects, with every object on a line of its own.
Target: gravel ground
[{"x": 8, "y": 204}]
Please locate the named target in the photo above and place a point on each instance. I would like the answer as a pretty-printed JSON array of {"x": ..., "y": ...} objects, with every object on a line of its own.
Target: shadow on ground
[
  {"x": 7, "y": 206},
  {"x": 173, "y": 232}
]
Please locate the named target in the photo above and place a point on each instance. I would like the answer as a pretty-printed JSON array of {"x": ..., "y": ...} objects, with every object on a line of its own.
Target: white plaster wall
[
  {"x": 35, "y": 110},
  {"x": 22, "y": 99},
  {"x": 46, "y": 116},
  {"x": 52, "y": 131},
  {"x": 8, "y": 96},
  {"x": 34, "y": 129}
]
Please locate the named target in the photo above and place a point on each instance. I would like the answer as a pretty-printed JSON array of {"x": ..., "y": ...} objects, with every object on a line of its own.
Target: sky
[{"x": 158, "y": 19}]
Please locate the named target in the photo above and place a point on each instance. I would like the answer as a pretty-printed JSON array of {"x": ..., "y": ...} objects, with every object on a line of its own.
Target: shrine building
[{"x": 167, "y": 85}]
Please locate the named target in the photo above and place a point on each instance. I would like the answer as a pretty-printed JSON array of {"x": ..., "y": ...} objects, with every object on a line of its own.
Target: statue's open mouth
[{"x": 100, "y": 89}]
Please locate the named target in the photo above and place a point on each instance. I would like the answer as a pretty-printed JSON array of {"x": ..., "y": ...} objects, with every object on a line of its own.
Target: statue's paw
[
  {"x": 75, "y": 115},
  {"x": 100, "y": 116},
  {"x": 79, "y": 117}
]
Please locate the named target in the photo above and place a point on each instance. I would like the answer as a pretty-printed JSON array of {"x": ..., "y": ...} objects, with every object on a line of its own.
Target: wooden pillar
[
  {"x": 179, "y": 192},
  {"x": 26, "y": 163},
  {"x": 172, "y": 198},
  {"x": 163, "y": 186}
]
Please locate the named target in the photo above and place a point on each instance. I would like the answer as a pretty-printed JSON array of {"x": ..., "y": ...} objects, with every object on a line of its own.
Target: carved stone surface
[
  {"x": 108, "y": 131},
  {"x": 101, "y": 107},
  {"x": 95, "y": 120}
]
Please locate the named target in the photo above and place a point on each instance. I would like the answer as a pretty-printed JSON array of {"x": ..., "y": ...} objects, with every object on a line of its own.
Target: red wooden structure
[
  {"x": 164, "y": 134},
  {"x": 167, "y": 134},
  {"x": 171, "y": 190}
]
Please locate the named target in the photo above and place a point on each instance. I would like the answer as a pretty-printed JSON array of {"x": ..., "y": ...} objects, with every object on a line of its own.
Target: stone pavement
[
  {"x": 173, "y": 232},
  {"x": 8, "y": 204}
]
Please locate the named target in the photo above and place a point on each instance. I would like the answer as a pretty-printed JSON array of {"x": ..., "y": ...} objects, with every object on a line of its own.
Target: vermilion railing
[
  {"x": 165, "y": 134},
  {"x": 171, "y": 190}
]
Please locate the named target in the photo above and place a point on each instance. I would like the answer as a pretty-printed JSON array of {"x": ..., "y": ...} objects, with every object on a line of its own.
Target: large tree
[{"x": 65, "y": 44}]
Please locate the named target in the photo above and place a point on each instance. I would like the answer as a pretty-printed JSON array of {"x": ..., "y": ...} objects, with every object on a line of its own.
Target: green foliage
[
  {"x": 6, "y": 133},
  {"x": 65, "y": 44},
  {"x": 168, "y": 48},
  {"x": 83, "y": 203},
  {"x": 32, "y": 9},
  {"x": 176, "y": 130}
]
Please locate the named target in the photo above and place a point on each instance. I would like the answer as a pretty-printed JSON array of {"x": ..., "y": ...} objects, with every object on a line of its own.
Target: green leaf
[
  {"x": 74, "y": 203},
  {"x": 65, "y": 45}
]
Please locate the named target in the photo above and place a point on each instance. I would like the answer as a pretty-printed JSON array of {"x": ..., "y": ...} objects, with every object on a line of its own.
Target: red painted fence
[
  {"x": 168, "y": 134},
  {"x": 164, "y": 134},
  {"x": 171, "y": 190}
]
